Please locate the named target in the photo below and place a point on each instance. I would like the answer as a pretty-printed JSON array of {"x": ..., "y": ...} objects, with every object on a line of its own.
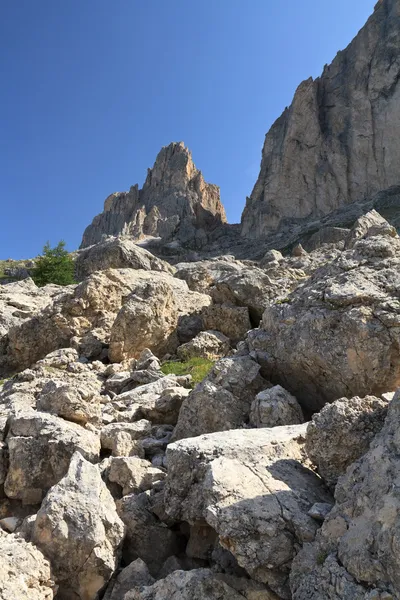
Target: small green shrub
[
  {"x": 54, "y": 266},
  {"x": 198, "y": 368}
]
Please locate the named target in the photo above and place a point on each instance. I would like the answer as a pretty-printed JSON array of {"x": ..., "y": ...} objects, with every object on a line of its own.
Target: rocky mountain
[
  {"x": 338, "y": 142},
  {"x": 175, "y": 203},
  {"x": 219, "y": 426}
]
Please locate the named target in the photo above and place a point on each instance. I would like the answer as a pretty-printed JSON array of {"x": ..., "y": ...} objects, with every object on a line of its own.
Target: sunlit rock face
[
  {"x": 338, "y": 142},
  {"x": 175, "y": 203}
]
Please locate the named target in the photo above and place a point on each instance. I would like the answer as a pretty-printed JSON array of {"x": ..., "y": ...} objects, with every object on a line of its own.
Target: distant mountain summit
[
  {"x": 175, "y": 203},
  {"x": 333, "y": 153},
  {"x": 339, "y": 141}
]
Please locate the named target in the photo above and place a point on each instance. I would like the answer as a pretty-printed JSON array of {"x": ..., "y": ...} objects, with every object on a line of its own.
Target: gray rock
[
  {"x": 78, "y": 530},
  {"x": 337, "y": 334},
  {"x": 175, "y": 203},
  {"x": 40, "y": 447},
  {"x": 117, "y": 254},
  {"x": 321, "y": 153},
  {"x": 146, "y": 536},
  {"x": 24, "y": 571},
  {"x": 342, "y": 432},
  {"x": 275, "y": 406},
  {"x": 250, "y": 486},
  {"x": 223, "y": 400}
]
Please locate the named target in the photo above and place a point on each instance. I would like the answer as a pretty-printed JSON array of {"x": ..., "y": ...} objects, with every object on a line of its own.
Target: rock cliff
[
  {"x": 338, "y": 142},
  {"x": 175, "y": 203}
]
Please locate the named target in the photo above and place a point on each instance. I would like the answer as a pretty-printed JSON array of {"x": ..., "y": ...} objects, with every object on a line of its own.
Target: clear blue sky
[{"x": 91, "y": 90}]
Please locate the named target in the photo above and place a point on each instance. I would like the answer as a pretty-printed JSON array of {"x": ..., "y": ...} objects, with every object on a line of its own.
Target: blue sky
[{"x": 92, "y": 89}]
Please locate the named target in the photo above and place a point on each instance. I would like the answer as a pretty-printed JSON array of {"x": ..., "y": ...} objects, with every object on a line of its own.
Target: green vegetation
[
  {"x": 54, "y": 266},
  {"x": 321, "y": 557},
  {"x": 198, "y": 368}
]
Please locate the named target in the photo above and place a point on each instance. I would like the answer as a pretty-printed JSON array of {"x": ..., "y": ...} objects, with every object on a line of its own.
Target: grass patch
[{"x": 198, "y": 368}]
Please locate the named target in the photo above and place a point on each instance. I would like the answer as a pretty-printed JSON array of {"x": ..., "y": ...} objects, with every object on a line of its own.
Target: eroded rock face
[
  {"x": 40, "y": 447},
  {"x": 221, "y": 401},
  {"x": 118, "y": 253},
  {"x": 24, "y": 571},
  {"x": 337, "y": 335},
  {"x": 146, "y": 536},
  {"x": 200, "y": 584},
  {"x": 77, "y": 528},
  {"x": 174, "y": 203},
  {"x": 207, "y": 344},
  {"x": 274, "y": 407},
  {"x": 358, "y": 540},
  {"x": 322, "y": 152},
  {"x": 151, "y": 314},
  {"x": 342, "y": 432},
  {"x": 250, "y": 486}
]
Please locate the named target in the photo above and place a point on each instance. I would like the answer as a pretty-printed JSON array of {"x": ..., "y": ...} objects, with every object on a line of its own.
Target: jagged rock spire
[{"x": 174, "y": 203}]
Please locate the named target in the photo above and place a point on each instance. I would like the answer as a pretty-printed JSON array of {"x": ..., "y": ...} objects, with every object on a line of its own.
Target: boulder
[
  {"x": 151, "y": 314},
  {"x": 145, "y": 402},
  {"x": 275, "y": 406},
  {"x": 146, "y": 536},
  {"x": 342, "y": 432},
  {"x": 71, "y": 401},
  {"x": 251, "y": 487},
  {"x": 211, "y": 345},
  {"x": 369, "y": 225},
  {"x": 78, "y": 530},
  {"x": 24, "y": 571},
  {"x": 124, "y": 439},
  {"x": 40, "y": 447},
  {"x": 200, "y": 584},
  {"x": 357, "y": 544},
  {"x": 135, "y": 575},
  {"x": 117, "y": 253},
  {"x": 232, "y": 321},
  {"x": 201, "y": 276},
  {"x": 133, "y": 474},
  {"x": 222, "y": 400},
  {"x": 337, "y": 335}
]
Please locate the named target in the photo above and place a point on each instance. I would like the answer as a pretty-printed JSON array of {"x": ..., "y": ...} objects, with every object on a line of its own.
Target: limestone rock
[
  {"x": 78, "y": 530},
  {"x": 203, "y": 275},
  {"x": 223, "y": 400},
  {"x": 133, "y": 474},
  {"x": 275, "y": 406},
  {"x": 369, "y": 225},
  {"x": 151, "y": 314},
  {"x": 322, "y": 152},
  {"x": 207, "y": 344},
  {"x": 118, "y": 253},
  {"x": 337, "y": 335},
  {"x": 123, "y": 439},
  {"x": 40, "y": 447},
  {"x": 147, "y": 537},
  {"x": 24, "y": 572},
  {"x": 357, "y": 542},
  {"x": 150, "y": 401},
  {"x": 80, "y": 404},
  {"x": 21, "y": 300},
  {"x": 231, "y": 321},
  {"x": 250, "y": 486},
  {"x": 200, "y": 584},
  {"x": 135, "y": 575},
  {"x": 342, "y": 432},
  {"x": 175, "y": 203}
]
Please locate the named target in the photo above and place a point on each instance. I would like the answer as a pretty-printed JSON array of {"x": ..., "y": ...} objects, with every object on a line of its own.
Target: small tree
[{"x": 54, "y": 266}]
